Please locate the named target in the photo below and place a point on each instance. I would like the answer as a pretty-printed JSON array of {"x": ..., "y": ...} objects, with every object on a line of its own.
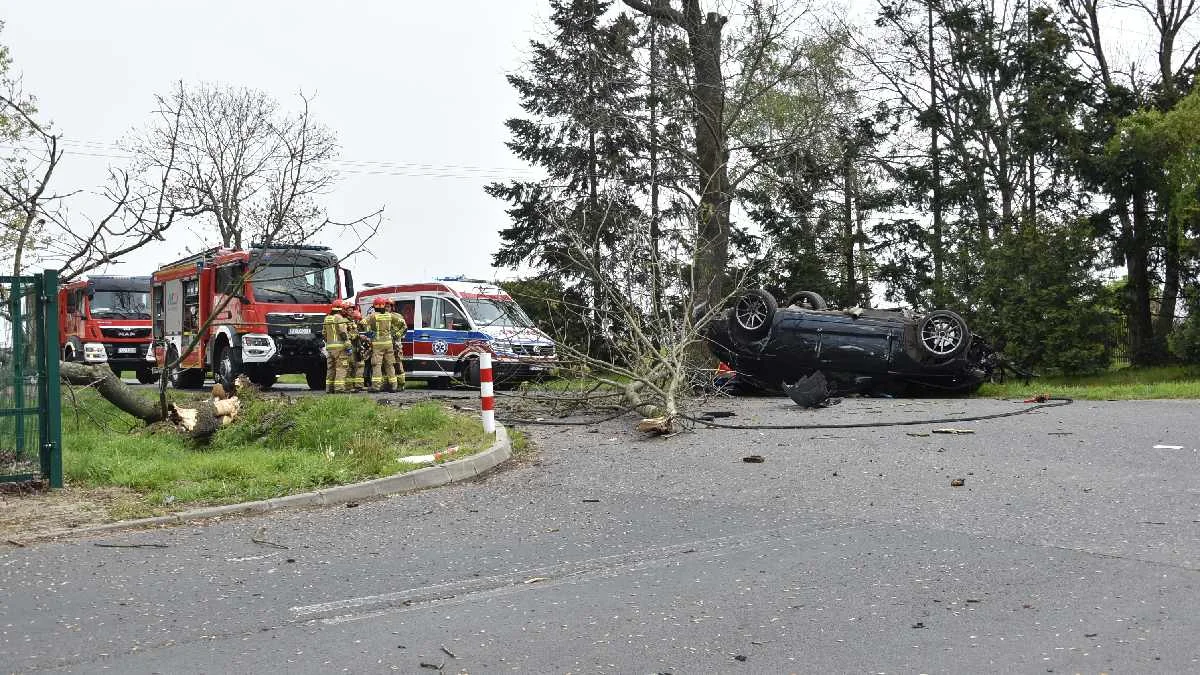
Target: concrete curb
[{"x": 432, "y": 476}]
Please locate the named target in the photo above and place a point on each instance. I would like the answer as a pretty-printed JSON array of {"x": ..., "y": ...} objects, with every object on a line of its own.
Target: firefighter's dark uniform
[
  {"x": 336, "y": 336},
  {"x": 388, "y": 328}
]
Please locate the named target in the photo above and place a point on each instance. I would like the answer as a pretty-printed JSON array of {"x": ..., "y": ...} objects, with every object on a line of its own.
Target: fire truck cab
[
  {"x": 106, "y": 319},
  {"x": 257, "y": 311}
]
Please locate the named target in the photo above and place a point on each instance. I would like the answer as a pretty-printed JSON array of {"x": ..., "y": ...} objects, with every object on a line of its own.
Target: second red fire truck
[
  {"x": 106, "y": 319},
  {"x": 257, "y": 311}
]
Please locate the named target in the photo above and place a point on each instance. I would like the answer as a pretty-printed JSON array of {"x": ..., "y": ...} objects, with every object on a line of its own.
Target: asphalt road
[{"x": 1074, "y": 546}]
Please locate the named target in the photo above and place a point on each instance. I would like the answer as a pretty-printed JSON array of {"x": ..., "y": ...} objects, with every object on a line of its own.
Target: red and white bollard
[{"x": 487, "y": 401}]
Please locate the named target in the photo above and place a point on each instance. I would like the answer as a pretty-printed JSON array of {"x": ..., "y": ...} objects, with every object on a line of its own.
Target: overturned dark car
[{"x": 866, "y": 351}]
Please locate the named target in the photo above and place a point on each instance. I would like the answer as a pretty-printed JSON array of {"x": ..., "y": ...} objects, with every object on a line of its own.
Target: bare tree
[{"x": 254, "y": 171}]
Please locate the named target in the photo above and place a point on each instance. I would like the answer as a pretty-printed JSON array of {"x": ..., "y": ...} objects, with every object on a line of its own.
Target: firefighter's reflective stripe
[
  {"x": 387, "y": 327},
  {"x": 335, "y": 331}
]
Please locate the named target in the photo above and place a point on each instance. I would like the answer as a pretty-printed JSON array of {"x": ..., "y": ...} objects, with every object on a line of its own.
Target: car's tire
[
  {"x": 807, "y": 300},
  {"x": 470, "y": 373},
  {"x": 315, "y": 376},
  {"x": 752, "y": 314},
  {"x": 943, "y": 334},
  {"x": 227, "y": 364},
  {"x": 147, "y": 376}
]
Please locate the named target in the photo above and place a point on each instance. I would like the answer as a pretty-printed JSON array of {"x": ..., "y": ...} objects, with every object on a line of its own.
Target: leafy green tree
[
  {"x": 581, "y": 96},
  {"x": 1041, "y": 302}
]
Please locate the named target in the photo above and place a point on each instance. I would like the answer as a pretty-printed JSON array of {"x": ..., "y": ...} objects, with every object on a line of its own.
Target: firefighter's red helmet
[{"x": 381, "y": 302}]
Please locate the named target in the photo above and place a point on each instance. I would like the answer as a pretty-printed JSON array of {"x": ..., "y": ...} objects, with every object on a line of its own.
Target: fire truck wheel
[
  {"x": 73, "y": 350},
  {"x": 185, "y": 378},
  {"x": 316, "y": 377},
  {"x": 147, "y": 376},
  {"x": 116, "y": 370},
  {"x": 228, "y": 365}
]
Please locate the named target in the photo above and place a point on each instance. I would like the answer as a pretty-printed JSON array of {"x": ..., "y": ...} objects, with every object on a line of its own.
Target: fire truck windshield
[
  {"x": 295, "y": 283},
  {"x": 120, "y": 305}
]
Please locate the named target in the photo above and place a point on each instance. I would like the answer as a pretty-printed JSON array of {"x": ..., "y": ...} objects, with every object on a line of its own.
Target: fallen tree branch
[{"x": 109, "y": 386}]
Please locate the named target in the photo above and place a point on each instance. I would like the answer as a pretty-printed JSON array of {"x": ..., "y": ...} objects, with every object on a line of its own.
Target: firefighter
[
  {"x": 354, "y": 352},
  {"x": 388, "y": 328},
  {"x": 336, "y": 343}
]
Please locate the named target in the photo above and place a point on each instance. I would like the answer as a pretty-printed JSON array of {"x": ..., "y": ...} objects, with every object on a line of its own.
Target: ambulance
[{"x": 453, "y": 320}]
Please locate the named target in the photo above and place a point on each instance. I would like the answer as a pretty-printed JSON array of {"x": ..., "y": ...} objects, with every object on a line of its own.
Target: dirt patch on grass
[{"x": 30, "y": 515}]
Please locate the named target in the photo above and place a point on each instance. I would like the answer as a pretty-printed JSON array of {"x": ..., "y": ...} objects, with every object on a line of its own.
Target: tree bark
[
  {"x": 109, "y": 386},
  {"x": 1137, "y": 266}
]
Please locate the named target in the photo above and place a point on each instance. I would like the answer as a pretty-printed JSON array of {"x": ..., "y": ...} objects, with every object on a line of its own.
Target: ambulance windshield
[{"x": 489, "y": 312}]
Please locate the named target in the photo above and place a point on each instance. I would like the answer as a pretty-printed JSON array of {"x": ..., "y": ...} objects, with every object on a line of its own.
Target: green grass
[
  {"x": 1162, "y": 382},
  {"x": 278, "y": 446},
  {"x": 293, "y": 378}
]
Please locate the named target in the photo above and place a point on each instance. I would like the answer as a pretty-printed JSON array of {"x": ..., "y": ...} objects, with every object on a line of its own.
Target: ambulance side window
[
  {"x": 407, "y": 308},
  {"x": 428, "y": 315}
]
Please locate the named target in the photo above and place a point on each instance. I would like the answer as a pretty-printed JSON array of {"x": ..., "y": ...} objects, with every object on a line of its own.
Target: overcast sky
[
  {"x": 418, "y": 85},
  {"x": 414, "y": 89}
]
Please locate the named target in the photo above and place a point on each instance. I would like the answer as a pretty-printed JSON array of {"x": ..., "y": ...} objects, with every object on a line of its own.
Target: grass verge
[
  {"x": 278, "y": 446},
  {"x": 1161, "y": 382}
]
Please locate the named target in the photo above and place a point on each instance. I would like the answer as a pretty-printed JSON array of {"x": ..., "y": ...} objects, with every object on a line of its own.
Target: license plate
[
  {"x": 299, "y": 331},
  {"x": 126, "y": 350}
]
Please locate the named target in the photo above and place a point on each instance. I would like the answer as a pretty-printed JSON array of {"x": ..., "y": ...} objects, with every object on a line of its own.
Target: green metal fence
[{"x": 30, "y": 406}]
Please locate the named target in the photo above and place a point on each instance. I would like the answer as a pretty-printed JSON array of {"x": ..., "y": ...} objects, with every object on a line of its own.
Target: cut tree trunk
[{"x": 109, "y": 386}]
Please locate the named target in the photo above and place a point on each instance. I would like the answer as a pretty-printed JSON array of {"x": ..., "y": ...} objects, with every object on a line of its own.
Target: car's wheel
[
  {"x": 807, "y": 300},
  {"x": 470, "y": 373},
  {"x": 752, "y": 314},
  {"x": 228, "y": 365},
  {"x": 943, "y": 334},
  {"x": 315, "y": 377},
  {"x": 147, "y": 376}
]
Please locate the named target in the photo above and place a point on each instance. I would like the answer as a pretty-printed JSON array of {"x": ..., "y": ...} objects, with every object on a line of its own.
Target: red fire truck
[
  {"x": 106, "y": 319},
  {"x": 257, "y": 311}
]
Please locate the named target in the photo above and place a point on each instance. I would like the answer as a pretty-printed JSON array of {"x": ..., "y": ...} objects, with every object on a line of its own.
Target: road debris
[
  {"x": 448, "y": 652},
  {"x": 958, "y": 482},
  {"x": 952, "y": 430},
  {"x": 429, "y": 459},
  {"x": 1168, "y": 447},
  {"x": 739, "y": 657},
  {"x": 919, "y": 624},
  {"x": 107, "y": 545},
  {"x": 1038, "y": 398},
  {"x": 258, "y": 539},
  {"x": 14, "y": 542},
  {"x": 534, "y": 580},
  {"x": 432, "y": 666},
  {"x": 810, "y": 392},
  {"x": 754, "y": 459},
  {"x": 591, "y": 501},
  {"x": 916, "y": 433},
  {"x": 351, "y": 505}
]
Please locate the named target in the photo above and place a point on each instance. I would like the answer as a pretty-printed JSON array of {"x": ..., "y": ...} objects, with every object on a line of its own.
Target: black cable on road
[{"x": 1051, "y": 403}]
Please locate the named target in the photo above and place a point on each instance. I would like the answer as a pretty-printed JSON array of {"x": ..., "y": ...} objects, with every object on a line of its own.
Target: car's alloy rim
[
  {"x": 942, "y": 336},
  {"x": 751, "y": 312}
]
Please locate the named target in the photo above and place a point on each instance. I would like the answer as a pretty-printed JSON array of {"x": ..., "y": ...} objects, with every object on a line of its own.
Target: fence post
[
  {"x": 486, "y": 395},
  {"x": 52, "y": 411}
]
